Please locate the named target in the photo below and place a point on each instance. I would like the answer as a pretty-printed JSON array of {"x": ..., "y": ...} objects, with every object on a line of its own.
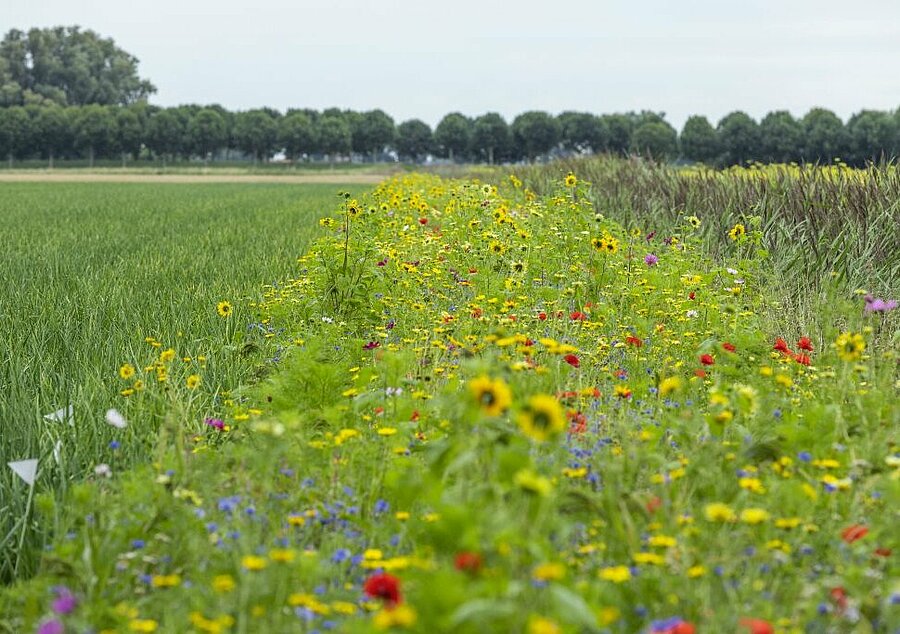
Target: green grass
[{"x": 89, "y": 271}]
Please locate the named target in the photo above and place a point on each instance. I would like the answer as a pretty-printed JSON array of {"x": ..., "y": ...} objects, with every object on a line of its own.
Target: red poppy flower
[
  {"x": 684, "y": 627},
  {"x": 372, "y": 345},
  {"x": 700, "y": 372},
  {"x": 854, "y": 532},
  {"x": 707, "y": 359},
  {"x": 729, "y": 347},
  {"x": 578, "y": 422},
  {"x": 692, "y": 295},
  {"x": 572, "y": 360},
  {"x": 634, "y": 341},
  {"x": 653, "y": 503},
  {"x": 781, "y": 346},
  {"x": 468, "y": 562},
  {"x": 415, "y": 416},
  {"x": 423, "y": 221},
  {"x": 802, "y": 359},
  {"x": 383, "y": 586},
  {"x": 577, "y": 315},
  {"x": 839, "y": 596},
  {"x": 542, "y": 316},
  {"x": 757, "y": 626},
  {"x": 805, "y": 344},
  {"x": 882, "y": 552}
]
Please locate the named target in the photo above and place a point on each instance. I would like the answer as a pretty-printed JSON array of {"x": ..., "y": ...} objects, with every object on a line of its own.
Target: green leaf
[{"x": 573, "y": 607}]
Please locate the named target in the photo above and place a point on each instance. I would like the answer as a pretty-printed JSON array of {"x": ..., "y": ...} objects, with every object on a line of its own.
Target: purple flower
[
  {"x": 53, "y": 626},
  {"x": 65, "y": 602},
  {"x": 218, "y": 423},
  {"x": 650, "y": 259},
  {"x": 879, "y": 305}
]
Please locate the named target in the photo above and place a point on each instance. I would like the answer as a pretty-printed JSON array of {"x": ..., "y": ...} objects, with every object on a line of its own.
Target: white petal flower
[{"x": 114, "y": 418}]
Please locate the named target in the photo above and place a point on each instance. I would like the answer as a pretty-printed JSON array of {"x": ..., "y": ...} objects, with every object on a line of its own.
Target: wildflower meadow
[{"x": 484, "y": 404}]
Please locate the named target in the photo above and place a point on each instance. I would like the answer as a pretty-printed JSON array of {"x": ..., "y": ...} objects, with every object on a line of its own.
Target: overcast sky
[{"x": 424, "y": 59}]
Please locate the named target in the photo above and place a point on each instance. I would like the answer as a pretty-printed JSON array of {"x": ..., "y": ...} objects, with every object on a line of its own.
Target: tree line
[
  {"x": 140, "y": 130},
  {"x": 70, "y": 93}
]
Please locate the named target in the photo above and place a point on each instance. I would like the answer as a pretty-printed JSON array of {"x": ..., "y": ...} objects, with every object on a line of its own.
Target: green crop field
[
  {"x": 89, "y": 271},
  {"x": 602, "y": 396}
]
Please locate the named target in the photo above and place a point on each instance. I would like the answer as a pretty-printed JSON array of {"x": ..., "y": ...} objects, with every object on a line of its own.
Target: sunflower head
[
  {"x": 850, "y": 346},
  {"x": 737, "y": 232},
  {"x": 224, "y": 309},
  {"x": 542, "y": 417},
  {"x": 571, "y": 180},
  {"x": 492, "y": 395}
]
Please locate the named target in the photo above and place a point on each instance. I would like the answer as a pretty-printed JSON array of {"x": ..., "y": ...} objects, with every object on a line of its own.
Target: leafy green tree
[
  {"x": 824, "y": 136},
  {"x": 699, "y": 141},
  {"x": 129, "y": 132},
  {"x": 165, "y": 132},
  {"x": 534, "y": 133},
  {"x": 739, "y": 138},
  {"x": 297, "y": 133},
  {"x": 69, "y": 66},
  {"x": 207, "y": 132},
  {"x": 872, "y": 136},
  {"x": 371, "y": 132},
  {"x": 656, "y": 139},
  {"x": 646, "y": 116},
  {"x": 334, "y": 135},
  {"x": 93, "y": 127},
  {"x": 582, "y": 132},
  {"x": 15, "y": 129},
  {"x": 414, "y": 140},
  {"x": 619, "y": 128},
  {"x": 52, "y": 131},
  {"x": 490, "y": 136},
  {"x": 228, "y": 119},
  {"x": 256, "y": 133},
  {"x": 453, "y": 136},
  {"x": 780, "y": 137},
  {"x": 895, "y": 150}
]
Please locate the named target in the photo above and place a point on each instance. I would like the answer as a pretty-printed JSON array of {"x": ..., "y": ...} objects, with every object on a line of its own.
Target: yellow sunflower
[
  {"x": 493, "y": 395},
  {"x": 850, "y": 346},
  {"x": 737, "y": 232},
  {"x": 542, "y": 417}
]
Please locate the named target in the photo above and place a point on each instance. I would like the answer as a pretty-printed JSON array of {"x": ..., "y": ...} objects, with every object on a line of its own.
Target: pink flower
[
  {"x": 879, "y": 305},
  {"x": 650, "y": 259},
  {"x": 53, "y": 626},
  {"x": 218, "y": 423},
  {"x": 65, "y": 602}
]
